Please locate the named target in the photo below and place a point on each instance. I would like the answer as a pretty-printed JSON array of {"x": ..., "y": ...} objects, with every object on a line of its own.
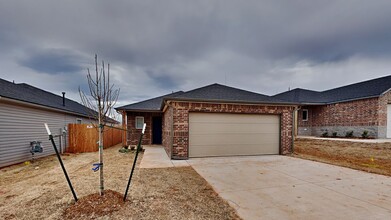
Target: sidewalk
[
  {"x": 347, "y": 139},
  {"x": 156, "y": 157}
]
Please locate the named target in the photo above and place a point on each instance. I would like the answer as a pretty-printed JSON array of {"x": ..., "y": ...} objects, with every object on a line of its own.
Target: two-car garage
[
  {"x": 218, "y": 120},
  {"x": 226, "y": 134}
]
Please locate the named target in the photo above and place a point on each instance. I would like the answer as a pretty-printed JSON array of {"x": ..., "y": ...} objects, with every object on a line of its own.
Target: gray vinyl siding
[{"x": 19, "y": 125}]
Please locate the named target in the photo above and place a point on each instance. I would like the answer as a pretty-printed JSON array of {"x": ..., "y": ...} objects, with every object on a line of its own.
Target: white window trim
[
  {"x": 142, "y": 124},
  {"x": 305, "y": 110},
  {"x": 79, "y": 121}
]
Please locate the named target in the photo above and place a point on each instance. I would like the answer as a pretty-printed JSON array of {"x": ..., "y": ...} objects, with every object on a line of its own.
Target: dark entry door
[{"x": 157, "y": 130}]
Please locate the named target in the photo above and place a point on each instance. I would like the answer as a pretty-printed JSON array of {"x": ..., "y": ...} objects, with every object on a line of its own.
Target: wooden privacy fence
[{"x": 84, "y": 137}]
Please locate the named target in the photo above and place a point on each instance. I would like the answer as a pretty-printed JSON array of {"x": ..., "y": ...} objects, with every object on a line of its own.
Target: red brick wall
[
  {"x": 167, "y": 130},
  {"x": 383, "y": 101},
  {"x": 133, "y": 134},
  {"x": 354, "y": 113},
  {"x": 180, "y": 114}
]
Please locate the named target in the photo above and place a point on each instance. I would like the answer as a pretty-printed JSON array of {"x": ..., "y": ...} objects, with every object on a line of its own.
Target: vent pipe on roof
[{"x": 63, "y": 98}]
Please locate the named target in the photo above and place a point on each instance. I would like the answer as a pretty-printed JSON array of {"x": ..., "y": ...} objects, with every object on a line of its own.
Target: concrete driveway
[{"x": 279, "y": 187}]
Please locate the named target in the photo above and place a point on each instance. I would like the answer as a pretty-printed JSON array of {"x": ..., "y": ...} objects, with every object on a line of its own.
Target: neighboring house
[
  {"x": 359, "y": 107},
  {"x": 23, "y": 111},
  {"x": 214, "y": 120}
]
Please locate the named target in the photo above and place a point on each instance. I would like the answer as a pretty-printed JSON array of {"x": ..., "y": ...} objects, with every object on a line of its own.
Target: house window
[
  {"x": 78, "y": 121},
  {"x": 139, "y": 122},
  {"x": 305, "y": 115}
]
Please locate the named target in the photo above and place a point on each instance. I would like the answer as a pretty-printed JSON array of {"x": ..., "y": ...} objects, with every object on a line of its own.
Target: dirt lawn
[
  {"x": 40, "y": 191},
  {"x": 370, "y": 157}
]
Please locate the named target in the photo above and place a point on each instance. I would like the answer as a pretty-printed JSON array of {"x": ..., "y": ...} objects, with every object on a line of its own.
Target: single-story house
[
  {"x": 214, "y": 120},
  {"x": 23, "y": 111},
  {"x": 359, "y": 107}
]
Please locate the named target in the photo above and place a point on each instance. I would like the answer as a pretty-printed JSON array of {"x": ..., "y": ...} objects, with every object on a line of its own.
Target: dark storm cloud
[
  {"x": 163, "y": 80},
  {"x": 52, "y": 61},
  {"x": 156, "y": 47}
]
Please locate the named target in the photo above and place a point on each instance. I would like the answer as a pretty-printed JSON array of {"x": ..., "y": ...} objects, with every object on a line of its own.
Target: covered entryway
[{"x": 221, "y": 134}]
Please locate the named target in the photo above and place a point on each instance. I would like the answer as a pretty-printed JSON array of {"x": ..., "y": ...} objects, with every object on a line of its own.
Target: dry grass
[
  {"x": 369, "y": 157},
  {"x": 39, "y": 190}
]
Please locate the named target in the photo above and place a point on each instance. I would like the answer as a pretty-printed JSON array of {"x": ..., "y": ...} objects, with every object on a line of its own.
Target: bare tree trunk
[
  {"x": 101, "y": 180},
  {"x": 99, "y": 105}
]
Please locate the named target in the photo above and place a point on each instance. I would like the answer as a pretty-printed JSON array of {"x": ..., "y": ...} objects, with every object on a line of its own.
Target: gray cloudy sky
[{"x": 155, "y": 47}]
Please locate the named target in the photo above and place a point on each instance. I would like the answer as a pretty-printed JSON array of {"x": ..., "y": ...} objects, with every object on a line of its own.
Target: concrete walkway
[
  {"x": 347, "y": 139},
  {"x": 280, "y": 187},
  {"x": 156, "y": 157}
]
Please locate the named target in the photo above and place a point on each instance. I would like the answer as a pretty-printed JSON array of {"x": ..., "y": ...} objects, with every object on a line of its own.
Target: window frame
[
  {"x": 79, "y": 121},
  {"x": 302, "y": 115},
  {"x": 142, "y": 124}
]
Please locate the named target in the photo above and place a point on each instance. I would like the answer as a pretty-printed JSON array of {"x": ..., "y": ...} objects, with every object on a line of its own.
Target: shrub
[
  {"x": 365, "y": 134},
  {"x": 349, "y": 134},
  {"x": 334, "y": 134},
  {"x": 325, "y": 134}
]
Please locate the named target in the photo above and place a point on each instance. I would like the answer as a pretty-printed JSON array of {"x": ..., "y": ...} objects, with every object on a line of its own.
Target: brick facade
[
  {"x": 167, "y": 122},
  {"x": 384, "y": 100},
  {"x": 178, "y": 144},
  {"x": 358, "y": 116},
  {"x": 124, "y": 135},
  {"x": 133, "y": 134}
]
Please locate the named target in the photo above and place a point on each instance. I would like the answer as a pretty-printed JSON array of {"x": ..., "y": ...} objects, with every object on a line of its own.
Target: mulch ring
[{"x": 94, "y": 205}]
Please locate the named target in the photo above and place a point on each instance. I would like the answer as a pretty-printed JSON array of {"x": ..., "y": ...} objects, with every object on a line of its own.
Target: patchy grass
[
  {"x": 40, "y": 191},
  {"x": 369, "y": 157}
]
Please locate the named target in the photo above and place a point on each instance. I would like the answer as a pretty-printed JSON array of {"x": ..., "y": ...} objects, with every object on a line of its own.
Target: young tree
[{"x": 100, "y": 105}]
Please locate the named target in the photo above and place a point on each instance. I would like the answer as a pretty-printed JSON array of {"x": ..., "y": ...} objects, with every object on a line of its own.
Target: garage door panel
[
  {"x": 229, "y": 128},
  {"x": 238, "y": 139},
  {"x": 233, "y": 150},
  {"x": 220, "y": 134},
  {"x": 232, "y": 118}
]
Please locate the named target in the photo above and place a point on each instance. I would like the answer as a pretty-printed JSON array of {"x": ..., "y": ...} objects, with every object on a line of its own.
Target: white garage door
[{"x": 216, "y": 134}]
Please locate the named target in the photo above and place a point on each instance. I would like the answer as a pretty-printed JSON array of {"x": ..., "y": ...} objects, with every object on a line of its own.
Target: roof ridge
[
  {"x": 358, "y": 83},
  {"x": 364, "y": 89},
  {"x": 150, "y": 99},
  {"x": 230, "y": 87},
  {"x": 51, "y": 93}
]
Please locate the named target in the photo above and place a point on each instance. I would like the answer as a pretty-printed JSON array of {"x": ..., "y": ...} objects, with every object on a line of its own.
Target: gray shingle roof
[
  {"x": 217, "y": 92},
  {"x": 214, "y": 92},
  {"x": 153, "y": 104},
  {"x": 361, "y": 90},
  {"x": 27, "y": 93},
  {"x": 301, "y": 96}
]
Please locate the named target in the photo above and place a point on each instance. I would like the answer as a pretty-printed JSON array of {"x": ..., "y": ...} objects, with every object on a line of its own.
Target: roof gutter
[
  {"x": 217, "y": 101},
  {"x": 344, "y": 100},
  {"x": 137, "y": 110}
]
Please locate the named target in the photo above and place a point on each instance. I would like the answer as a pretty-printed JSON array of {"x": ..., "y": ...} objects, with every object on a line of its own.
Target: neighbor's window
[
  {"x": 78, "y": 121},
  {"x": 305, "y": 114},
  {"x": 139, "y": 122}
]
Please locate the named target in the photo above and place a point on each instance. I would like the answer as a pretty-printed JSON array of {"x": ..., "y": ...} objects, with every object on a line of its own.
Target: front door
[{"x": 157, "y": 130}]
